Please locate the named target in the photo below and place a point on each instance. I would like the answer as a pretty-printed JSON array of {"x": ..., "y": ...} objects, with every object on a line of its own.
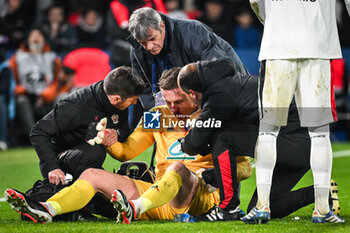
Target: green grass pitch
[{"x": 19, "y": 169}]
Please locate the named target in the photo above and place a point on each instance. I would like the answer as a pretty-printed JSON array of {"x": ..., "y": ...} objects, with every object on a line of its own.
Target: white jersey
[{"x": 300, "y": 29}]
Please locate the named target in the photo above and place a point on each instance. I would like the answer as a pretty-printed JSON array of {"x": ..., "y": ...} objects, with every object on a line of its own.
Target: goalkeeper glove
[
  {"x": 95, "y": 132},
  {"x": 208, "y": 179}
]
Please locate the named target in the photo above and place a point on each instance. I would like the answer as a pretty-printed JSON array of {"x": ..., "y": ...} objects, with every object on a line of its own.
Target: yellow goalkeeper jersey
[{"x": 168, "y": 148}]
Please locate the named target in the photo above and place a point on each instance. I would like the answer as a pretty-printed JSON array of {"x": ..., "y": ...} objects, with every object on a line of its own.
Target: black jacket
[
  {"x": 227, "y": 96},
  {"x": 187, "y": 41},
  {"x": 65, "y": 126}
]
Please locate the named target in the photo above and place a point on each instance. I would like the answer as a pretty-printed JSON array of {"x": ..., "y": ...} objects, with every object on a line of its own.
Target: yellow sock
[
  {"x": 162, "y": 192},
  {"x": 73, "y": 197}
]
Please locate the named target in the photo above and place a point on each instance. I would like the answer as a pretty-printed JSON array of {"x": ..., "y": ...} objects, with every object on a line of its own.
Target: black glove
[
  {"x": 182, "y": 143},
  {"x": 91, "y": 132},
  {"x": 208, "y": 176},
  {"x": 188, "y": 149}
]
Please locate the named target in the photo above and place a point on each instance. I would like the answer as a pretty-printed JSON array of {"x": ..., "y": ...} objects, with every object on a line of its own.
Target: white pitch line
[
  {"x": 343, "y": 153},
  {"x": 2, "y": 199}
]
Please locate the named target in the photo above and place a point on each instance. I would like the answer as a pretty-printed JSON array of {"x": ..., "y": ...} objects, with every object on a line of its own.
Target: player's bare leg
[
  {"x": 82, "y": 191},
  {"x": 74, "y": 197},
  {"x": 188, "y": 188},
  {"x": 106, "y": 182},
  {"x": 177, "y": 187}
]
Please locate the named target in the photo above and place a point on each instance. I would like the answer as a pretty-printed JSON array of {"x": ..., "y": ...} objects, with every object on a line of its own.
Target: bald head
[
  {"x": 188, "y": 79},
  {"x": 190, "y": 84}
]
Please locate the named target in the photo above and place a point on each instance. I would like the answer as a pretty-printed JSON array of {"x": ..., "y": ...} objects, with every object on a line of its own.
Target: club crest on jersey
[
  {"x": 115, "y": 118},
  {"x": 175, "y": 153}
]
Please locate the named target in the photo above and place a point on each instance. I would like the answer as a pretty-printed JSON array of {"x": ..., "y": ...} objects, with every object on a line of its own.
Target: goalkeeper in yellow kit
[{"x": 177, "y": 188}]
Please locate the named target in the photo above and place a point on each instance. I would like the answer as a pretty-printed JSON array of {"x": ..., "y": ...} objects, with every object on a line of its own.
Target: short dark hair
[
  {"x": 189, "y": 80},
  {"x": 124, "y": 82},
  {"x": 53, "y": 6},
  {"x": 168, "y": 80}
]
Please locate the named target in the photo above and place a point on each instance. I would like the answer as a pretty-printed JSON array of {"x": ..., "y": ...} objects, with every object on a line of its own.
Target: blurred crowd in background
[{"x": 49, "y": 48}]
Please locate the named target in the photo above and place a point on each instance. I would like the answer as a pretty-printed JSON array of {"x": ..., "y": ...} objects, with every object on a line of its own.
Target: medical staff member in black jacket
[
  {"x": 227, "y": 126},
  {"x": 59, "y": 138}
]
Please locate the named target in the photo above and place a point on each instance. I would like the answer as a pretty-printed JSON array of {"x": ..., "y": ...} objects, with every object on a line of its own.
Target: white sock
[
  {"x": 321, "y": 166},
  {"x": 265, "y": 159},
  {"x": 321, "y": 200},
  {"x": 139, "y": 206},
  {"x": 50, "y": 208}
]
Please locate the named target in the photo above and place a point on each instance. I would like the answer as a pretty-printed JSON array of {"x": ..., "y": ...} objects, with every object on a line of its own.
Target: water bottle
[
  {"x": 184, "y": 218},
  {"x": 68, "y": 178}
]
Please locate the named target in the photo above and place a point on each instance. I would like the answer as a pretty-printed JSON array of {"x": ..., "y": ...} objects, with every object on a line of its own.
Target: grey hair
[{"x": 141, "y": 20}]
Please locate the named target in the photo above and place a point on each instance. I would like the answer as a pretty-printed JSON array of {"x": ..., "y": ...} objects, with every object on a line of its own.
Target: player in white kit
[{"x": 300, "y": 37}]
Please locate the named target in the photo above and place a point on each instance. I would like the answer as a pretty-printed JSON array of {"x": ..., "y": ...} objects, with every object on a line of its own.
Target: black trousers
[
  {"x": 293, "y": 161},
  {"x": 79, "y": 158},
  {"x": 233, "y": 139},
  {"x": 76, "y": 160}
]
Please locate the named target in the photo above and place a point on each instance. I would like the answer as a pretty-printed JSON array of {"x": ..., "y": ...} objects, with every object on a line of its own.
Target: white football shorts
[{"x": 309, "y": 81}]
